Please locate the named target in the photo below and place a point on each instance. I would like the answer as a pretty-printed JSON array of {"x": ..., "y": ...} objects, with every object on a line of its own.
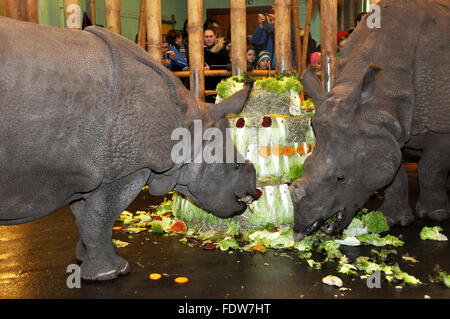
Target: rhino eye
[{"x": 341, "y": 178}]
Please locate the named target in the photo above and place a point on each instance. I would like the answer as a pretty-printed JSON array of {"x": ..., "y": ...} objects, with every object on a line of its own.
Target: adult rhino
[
  {"x": 86, "y": 120},
  {"x": 363, "y": 124}
]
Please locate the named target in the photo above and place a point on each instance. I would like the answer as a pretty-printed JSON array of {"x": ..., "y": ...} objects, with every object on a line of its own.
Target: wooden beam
[
  {"x": 196, "y": 51},
  {"x": 238, "y": 18},
  {"x": 11, "y": 9},
  {"x": 142, "y": 28},
  {"x": 309, "y": 8},
  {"x": 92, "y": 12},
  {"x": 30, "y": 11},
  {"x": 297, "y": 38},
  {"x": 225, "y": 73},
  {"x": 342, "y": 13},
  {"x": 112, "y": 15},
  {"x": 154, "y": 28},
  {"x": 328, "y": 43},
  {"x": 351, "y": 14},
  {"x": 283, "y": 55},
  {"x": 72, "y": 14}
]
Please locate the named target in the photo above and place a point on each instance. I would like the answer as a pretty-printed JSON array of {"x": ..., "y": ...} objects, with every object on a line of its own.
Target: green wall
[{"x": 51, "y": 12}]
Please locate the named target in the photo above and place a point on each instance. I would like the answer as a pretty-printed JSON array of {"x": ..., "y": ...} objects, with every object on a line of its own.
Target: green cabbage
[
  {"x": 376, "y": 222},
  {"x": 432, "y": 233}
]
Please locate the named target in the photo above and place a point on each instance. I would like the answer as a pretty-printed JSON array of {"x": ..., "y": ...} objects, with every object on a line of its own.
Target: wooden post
[
  {"x": 30, "y": 11},
  {"x": 154, "y": 28},
  {"x": 328, "y": 27},
  {"x": 283, "y": 56},
  {"x": 309, "y": 7},
  {"x": 112, "y": 15},
  {"x": 142, "y": 28},
  {"x": 72, "y": 14},
  {"x": 238, "y": 18},
  {"x": 351, "y": 14},
  {"x": 342, "y": 13},
  {"x": 297, "y": 38},
  {"x": 11, "y": 9},
  {"x": 92, "y": 12},
  {"x": 196, "y": 51}
]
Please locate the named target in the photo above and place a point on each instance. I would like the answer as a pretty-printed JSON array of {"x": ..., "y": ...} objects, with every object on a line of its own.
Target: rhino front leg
[
  {"x": 95, "y": 218},
  {"x": 433, "y": 171},
  {"x": 395, "y": 206}
]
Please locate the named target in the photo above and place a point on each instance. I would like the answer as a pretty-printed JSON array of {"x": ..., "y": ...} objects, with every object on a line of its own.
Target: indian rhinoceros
[
  {"x": 391, "y": 93},
  {"x": 87, "y": 119}
]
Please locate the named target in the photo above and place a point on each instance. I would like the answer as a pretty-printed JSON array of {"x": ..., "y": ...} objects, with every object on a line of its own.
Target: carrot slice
[
  {"x": 117, "y": 228},
  {"x": 264, "y": 151},
  {"x": 155, "y": 276},
  {"x": 258, "y": 247},
  {"x": 181, "y": 280},
  {"x": 288, "y": 150},
  {"x": 308, "y": 148},
  {"x": 277, "y": 150},
  {"x": 300, "y": 149}
]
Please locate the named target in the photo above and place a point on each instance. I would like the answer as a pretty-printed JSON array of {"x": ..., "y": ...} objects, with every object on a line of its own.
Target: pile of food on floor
[{"x": 368, "y": 228}]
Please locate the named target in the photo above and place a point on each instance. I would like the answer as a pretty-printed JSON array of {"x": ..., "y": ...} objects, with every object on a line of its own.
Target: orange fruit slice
[
  {"x": 277, "y": 150},
  {"x": 181, "y": 280},
  {"x": 288, "y": 150},
  {"x": 300, "y": 149},
  {"x": 154, "y": 276},
  {"x": 264, "y": 151}
]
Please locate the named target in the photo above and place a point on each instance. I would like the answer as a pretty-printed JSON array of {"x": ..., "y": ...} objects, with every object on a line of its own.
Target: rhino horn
[
  {"x": 233, "y": 104},
  {"x": 313, "y": 87}
]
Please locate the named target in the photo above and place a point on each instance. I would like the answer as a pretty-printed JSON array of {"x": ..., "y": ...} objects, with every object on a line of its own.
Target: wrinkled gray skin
[
  {"x": 391, "y": 94},
  {"x": 86, "y": 120}
]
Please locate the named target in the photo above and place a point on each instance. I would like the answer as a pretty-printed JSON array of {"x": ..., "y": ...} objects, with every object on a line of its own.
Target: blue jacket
[
  {"x": 260, "y": 36},
  {"x": 180, "y": 62}
]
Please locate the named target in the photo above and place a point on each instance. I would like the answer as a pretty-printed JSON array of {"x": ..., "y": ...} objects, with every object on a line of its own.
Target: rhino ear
[
  {"x": 313, "y": 87},
  {"x": 161, "y": 184},
  {"x": 368, "y": 83},
  {"x": 234, "y": 104}
]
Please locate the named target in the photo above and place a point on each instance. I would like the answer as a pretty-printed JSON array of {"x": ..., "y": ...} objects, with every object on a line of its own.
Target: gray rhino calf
[
  {"x": 362, "y": 125},
  {"x": 86, "y": 120}
]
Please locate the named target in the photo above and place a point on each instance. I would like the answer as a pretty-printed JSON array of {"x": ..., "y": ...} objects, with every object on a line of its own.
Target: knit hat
[
  {"x": 341, "y": 34},
  {"x": 315, "y": 57},
  {"x": 264, "y": 54}
]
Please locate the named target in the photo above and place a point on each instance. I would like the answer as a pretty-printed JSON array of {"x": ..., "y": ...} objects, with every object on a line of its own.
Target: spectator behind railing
[
  {"x": 175, "y": 40},
  {"x": 251, "y": 59},
  {"x": 172, "y": 58},
  {"x": 264, "y": 60},
  {"x": 264, "y": 35},
  {"x": 216, "y": 54}
]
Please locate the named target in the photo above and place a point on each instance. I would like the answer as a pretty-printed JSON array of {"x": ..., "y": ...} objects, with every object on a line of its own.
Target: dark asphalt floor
[{"x": 34, "y": 258}]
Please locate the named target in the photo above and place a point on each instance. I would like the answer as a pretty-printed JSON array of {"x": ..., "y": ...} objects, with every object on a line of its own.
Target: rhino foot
[
  {"x": 404, "y": 218},
  {"x": 439, "y": 214},
  {"x": 81, "y": 252},
  {"x": 98, "y": 270}
]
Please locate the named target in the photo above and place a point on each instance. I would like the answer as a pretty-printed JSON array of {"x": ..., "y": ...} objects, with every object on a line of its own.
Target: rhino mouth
[
  {"x": 329, "y": 225},
  {"x": 247, "y": 200},
  {"x": 333, "y": 223}
]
